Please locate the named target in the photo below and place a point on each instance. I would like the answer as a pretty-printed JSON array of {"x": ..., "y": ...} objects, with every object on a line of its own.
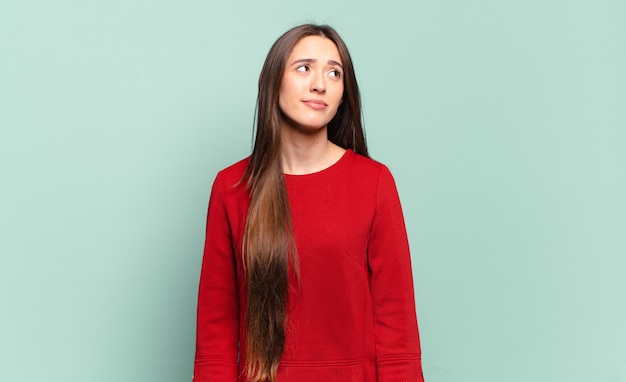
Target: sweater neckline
[{"x": 342, "y": 159}]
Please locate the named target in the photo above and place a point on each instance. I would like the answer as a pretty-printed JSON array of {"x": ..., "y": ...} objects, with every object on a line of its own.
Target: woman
[{"x": 306, "y": 274}]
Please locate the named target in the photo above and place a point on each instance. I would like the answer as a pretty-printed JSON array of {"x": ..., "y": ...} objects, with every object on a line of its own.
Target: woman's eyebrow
[
  {"x": 313, "y": 60},
  {"x": 333, "y": 62}
]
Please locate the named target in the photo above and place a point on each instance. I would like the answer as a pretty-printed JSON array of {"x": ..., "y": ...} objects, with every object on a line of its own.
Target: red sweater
[{"x": 352, "y": 318}]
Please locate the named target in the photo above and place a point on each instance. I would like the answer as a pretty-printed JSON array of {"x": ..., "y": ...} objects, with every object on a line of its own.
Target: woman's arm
[
  {"x": 398, "y": 353},
  {"x": 217, "y": 332}
]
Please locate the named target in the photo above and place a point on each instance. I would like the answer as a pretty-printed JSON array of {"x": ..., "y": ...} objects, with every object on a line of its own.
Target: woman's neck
[{"x": 306, "y": 154}]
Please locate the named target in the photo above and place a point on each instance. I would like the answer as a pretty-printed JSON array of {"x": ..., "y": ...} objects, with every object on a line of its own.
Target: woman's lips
[{"x": 315, "y": 104}]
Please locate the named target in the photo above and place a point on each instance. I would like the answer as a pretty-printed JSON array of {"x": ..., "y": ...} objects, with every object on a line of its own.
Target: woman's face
[{"x": 312, "y": 86}]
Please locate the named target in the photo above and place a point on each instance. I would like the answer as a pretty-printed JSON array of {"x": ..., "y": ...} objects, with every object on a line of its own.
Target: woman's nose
[{"x": 318, "y": 84}]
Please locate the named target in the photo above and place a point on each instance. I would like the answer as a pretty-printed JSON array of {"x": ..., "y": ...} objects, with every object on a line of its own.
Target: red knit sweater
[{"x": 352, "y": 317}]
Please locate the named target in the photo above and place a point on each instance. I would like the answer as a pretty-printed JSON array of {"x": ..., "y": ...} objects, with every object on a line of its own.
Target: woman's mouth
[{"x": 315, "y": 104}]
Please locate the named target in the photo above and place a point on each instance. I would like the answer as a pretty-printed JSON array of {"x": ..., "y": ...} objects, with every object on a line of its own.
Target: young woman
[{"x": 306, "y": 274}]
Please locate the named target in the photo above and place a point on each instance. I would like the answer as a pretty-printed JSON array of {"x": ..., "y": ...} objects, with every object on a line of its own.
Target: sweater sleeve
[
  {"x": 217, "y": 330},
  {"x": 398, "y": 354}
]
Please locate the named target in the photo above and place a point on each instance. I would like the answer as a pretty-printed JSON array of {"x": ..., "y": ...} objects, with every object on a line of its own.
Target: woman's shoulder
[
  {"x": 233, "y": 173},
  {"x": 368, "y": 165}
]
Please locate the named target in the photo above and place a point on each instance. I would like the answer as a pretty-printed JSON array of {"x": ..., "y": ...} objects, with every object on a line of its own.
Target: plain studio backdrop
[{"x": 503, "y": 122}]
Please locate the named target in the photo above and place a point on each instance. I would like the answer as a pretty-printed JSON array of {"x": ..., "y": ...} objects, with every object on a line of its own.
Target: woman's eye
[
  {"x": 335, "y": 73},
  {"x": 302, "y": 68}
]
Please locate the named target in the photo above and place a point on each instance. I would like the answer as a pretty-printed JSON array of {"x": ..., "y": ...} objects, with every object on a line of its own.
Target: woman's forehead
[{"x": 316, "y": 48}]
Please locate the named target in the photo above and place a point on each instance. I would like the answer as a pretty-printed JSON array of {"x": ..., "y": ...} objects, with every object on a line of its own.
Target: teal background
[{"x": 504, "y": 123}]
